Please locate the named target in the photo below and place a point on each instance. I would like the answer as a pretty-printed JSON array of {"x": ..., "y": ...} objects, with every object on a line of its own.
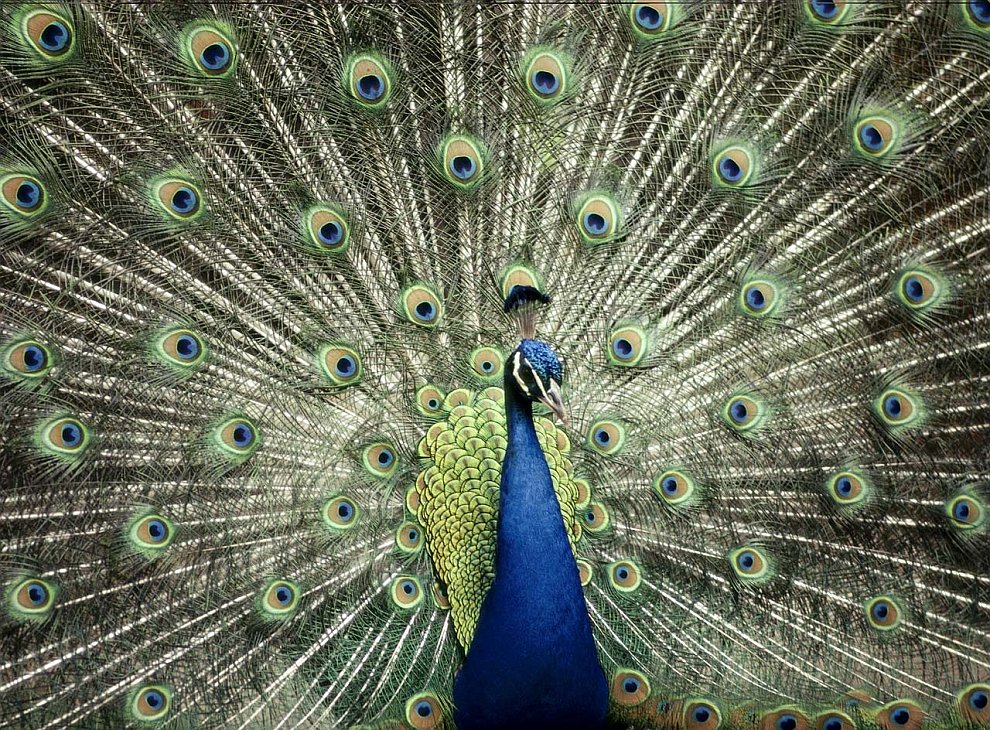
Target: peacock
[{"x": 469, "y": 365}]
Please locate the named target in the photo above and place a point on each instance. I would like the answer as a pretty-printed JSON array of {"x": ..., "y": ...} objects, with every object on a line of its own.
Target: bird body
[{"x": 293, "y": 301}]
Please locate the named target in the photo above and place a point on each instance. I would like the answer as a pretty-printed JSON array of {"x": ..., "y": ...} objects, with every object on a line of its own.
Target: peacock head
[{"x": 534, "y": 369}]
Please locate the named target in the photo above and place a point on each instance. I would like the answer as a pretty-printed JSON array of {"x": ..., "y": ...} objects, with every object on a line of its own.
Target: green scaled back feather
[{"x": 252, "y": 265}]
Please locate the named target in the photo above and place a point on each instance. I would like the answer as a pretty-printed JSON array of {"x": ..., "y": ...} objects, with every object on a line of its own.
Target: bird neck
[{"x": 533, "y": 648}]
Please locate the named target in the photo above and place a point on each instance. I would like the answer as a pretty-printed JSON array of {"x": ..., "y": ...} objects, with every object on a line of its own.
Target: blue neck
[{"x": 533, "y": 661}]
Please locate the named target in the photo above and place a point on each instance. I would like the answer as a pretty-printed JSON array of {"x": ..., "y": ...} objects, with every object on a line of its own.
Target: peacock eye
[
  {"x": 847, "y": 488},
  {"x": 180, "y": 199},
  {"x": 369, "y": 80},
  {"x": 624, "y": 576},
  {"x": 674, "y": 487},
  {"x": 874, "y": 136},
  {"x": 181, "y": 347},
  {"x": 965, "y": 511},
  {"x": 23, "y": 194},
  {"x": 421, "y": 305},
  {"x": 919, "y": 291},
  {"x": 979, "y": 12},
  {"x": 340, "y": 364},
  {"x": 406, "y": 592},
  {"x": 627, "y": 346},
  {"x": 408, "y": 537},
  {"x": 733, "y": 166},
  {"x": 49, "y": 34},
  {"x": 595, "y": 517},
  {"x": 630, "y": 688},
  {"x": 702, "y": 715},
  {"x": 33, "y": 598},
  {"x": 606, "y": 437},
  {"x": 974, "y": 704},
  {"x": 238, "y": 434},
  {"x": 834, "y": 721},
  {"x": 151, "y": 534},
  {"x": 65, "y": 436},
  {"x": 380, "y": 459},
  {"x": 423, "y": 711},
  {"x": 598, "y": 219},
  {"x": 29, "y": 359},
  {"x": 487, "y": 363},
  {"x": 758, "y": 298},
  {"x": 883, "y": 613},
  {"x": 210, "y": 50},
  {"x": 280, "y": 598},
  {"x": 327, "y": 229},
  {"x": 743, "y": 413},
  {"x": 649, "y": 18},
  {"x": 151, "y": 703},
  {"x": 829, "y": 12},
  {"x": 786, "y": 722},
  {"x": 897, "y": 407},
  {"x": 546, "y": 76},
  {"x": 463, "y": 161},
  {"x": 340, "y": 513},
  {"x": 750, "y": 564},
  {"x": 429, "y": 400}
]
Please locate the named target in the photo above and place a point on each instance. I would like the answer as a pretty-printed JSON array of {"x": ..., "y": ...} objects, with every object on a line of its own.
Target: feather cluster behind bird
[{"x": 274, "y": 454}]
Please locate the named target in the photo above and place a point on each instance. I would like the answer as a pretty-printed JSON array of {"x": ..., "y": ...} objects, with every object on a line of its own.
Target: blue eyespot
[
  {"x": 595, "y": 224},
  {"x": 215, "y": 57},
  {"x": 961, "y": 510},
  {"x": 425, "y": 311},
  {"x": 345, "y": 511},
  {"x": 701, "y": 715},
  {"x": 545, "y": 83},
  {"x": 72, "y": 435},
  {"x": 738, "y": 411},
  {"x": 979, "y": 700},
  {"x": 832, "y": 723},
  {"x": 243, "y": 435},
  {"x": 37, "y": 594},
  {"x": 747, "y": 560},
  {"x": 371, "y": 87},
  {"x": 602, "y": 437},
  {"x": 463, "y": 167},
  {"x": 345, "y": 366},
  {"x": 283, "y": 594},
  {"x": 755, "y": 298},
  {"x": 980, "y": 11},
  {"x": 730, "y": 170},
  {"x": 407, "y": 587},
  {"x": 631, "y": 685},
  {"x": 648, "y": 18},
  {"x": 330, "y": 233},
  {"x": 423, "y": 708},
  {"x": 892, "y": 406},
  {"x": 623, "y": 574},
  {"x": 622, "y": 348},
  {"x": 880, "y": 610},
  {"x": 824, "y": 9},
  {"x": 913, "y": 288},
  {"x": 900, "y": 716},
  {"x": 871, "y": 137},
  {"x": 843, "y": 486},
  {"x": 187, "y": 347},
  {"x": 669, "y": 486},
  {"x": 184, "y": 200},
  {"x": 28, "y": 195},
  {"x": 35, "y": 358},
  {"x": 385, "y": 457},
  {"x": 433, "y": 404},
  {"x": 786, "y": 722},
  {"x": 55, "y": 37},
  {"x": 154, "y": 699},
  {"x": 157, "y": 530}
]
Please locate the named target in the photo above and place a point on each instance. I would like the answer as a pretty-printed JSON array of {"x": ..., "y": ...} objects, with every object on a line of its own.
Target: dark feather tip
[{"x": 520, "y": 296}]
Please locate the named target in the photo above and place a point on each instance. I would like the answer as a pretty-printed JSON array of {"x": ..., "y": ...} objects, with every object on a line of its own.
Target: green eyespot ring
[
  {"x": 51, "y": 36},
  {"x": 209, "y": 50},
  {"x": 280, "y": 598},
  {"x": 630, "y": 688},
  {"x": 150, "y": 703},
  {"x": 406, "y": 592},
  {"x": 27, "y": 360}
]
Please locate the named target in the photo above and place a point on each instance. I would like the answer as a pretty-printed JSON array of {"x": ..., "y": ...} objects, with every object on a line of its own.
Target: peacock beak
[{"x": 555, "y": 401}]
